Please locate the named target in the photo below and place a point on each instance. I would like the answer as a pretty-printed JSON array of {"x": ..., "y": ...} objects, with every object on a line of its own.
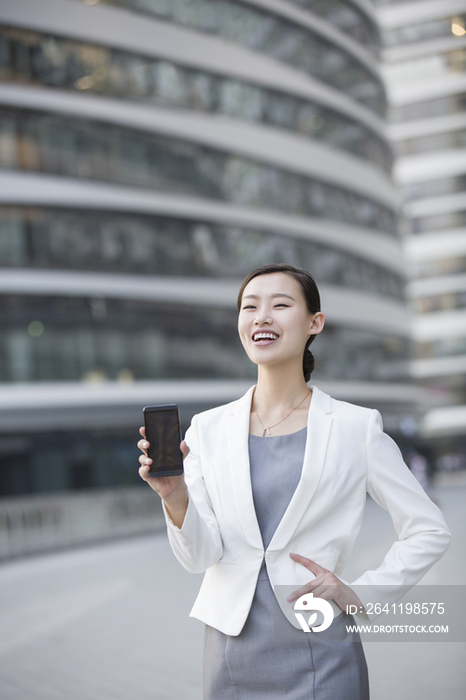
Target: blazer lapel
[
  {"x": 238, "y": 447},
  {"x": 318, "y": 432}
]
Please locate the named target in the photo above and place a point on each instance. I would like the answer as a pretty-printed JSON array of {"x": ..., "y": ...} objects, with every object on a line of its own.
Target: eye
[
  {"x": 250, "y": 306},
  {"x": 286, "y": 306}
]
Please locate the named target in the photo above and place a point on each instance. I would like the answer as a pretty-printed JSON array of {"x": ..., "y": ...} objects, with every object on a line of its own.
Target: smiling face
[{"x": 274, "y": 322}]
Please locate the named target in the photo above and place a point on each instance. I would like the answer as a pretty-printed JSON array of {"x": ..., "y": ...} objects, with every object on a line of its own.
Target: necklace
[{"x": 266, "y": 430}]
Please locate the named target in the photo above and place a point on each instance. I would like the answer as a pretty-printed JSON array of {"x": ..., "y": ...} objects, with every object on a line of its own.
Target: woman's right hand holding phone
[{"x": 171, "y": 489}]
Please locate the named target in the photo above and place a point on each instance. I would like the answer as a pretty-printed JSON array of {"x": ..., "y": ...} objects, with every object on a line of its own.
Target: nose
[{"x": 262, "y": 319}]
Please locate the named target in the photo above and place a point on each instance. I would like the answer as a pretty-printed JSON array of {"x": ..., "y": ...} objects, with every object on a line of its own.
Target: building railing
[{"x": 46, "y": 522}]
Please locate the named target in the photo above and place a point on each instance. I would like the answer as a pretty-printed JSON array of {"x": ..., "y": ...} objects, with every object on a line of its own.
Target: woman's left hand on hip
[{"x": 325, "y": 585}]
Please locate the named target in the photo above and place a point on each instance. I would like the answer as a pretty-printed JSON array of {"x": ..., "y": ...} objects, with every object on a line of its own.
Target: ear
[{"x": 317, "y": 323}]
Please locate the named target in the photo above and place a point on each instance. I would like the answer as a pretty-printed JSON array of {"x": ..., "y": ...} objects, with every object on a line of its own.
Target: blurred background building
[
  {"x": 424, "y": 64},
  {"x": 152, "y": 152}
]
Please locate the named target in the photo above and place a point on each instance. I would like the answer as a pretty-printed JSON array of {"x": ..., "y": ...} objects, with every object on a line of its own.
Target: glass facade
[
  {"x": 442, "y": 65},
  {"x": 441, "y": 302},
  {"x": 443, "y": 266},
  {"x": 439, "y": 222},
  {"x": 81, "y": 337},
  {"x": 435, "y": 188},
  {"x": 273, "y": 36},
  {"x": 356, "y": 355},
  {"x": 41, "y": 142},
  {"x": 41, "y": 59},
  {"x": 243, "y": 23},
  {"x": 96, "y": 340},
  {"x": 68, "y": 461},
  {"x": 434, "y": 142},
  {"x": 348, "y": 18},
  {"x": 435, "y": 107},
  {"x": 445, "y": 347},
  {"x": 138, "y": 244},
  {"x": 425, "y": 31}
]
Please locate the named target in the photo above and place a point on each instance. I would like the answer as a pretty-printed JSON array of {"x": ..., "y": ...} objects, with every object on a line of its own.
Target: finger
[
  {"x": 309, "y": 564},
  {"x": 317, "y": 587},
  {"x": 184, "y": 449},
  {"x": 142, "y": 431},
  {"x": 307, "y": 588},
  {"x": 324, "y": 591},
  {"x": 144, "y": 460},
  {"x": 153, "y": 481},
  {"x": 143, "y": 446},
  {"x": 144, "y": 472},
  {"x": 297, "y": 594}
]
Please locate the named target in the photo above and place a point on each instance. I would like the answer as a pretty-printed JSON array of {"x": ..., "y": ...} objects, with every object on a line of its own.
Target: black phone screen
[{"x": 164, "y": 436}]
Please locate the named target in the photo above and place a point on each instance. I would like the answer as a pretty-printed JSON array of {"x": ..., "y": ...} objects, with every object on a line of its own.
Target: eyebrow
[{"x": 274, "y": 296}]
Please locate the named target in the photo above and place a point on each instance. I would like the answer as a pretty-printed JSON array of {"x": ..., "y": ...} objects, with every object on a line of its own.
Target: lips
[{"x": 264, "y": 337}]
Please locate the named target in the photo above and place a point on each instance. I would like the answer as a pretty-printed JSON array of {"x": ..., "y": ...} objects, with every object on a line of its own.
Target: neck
[{"x": 279, "y": 387}]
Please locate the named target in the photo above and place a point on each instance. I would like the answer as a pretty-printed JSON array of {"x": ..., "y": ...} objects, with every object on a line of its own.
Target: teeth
[{"x": 262, "y": 336}]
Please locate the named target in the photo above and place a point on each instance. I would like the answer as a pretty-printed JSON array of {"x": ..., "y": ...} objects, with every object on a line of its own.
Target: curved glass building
[
  {"x": 424, "y": 64},
  {"x": 152, "y": 153}
]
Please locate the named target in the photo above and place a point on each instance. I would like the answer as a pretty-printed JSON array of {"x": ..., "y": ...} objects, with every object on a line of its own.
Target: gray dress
[{"x": 260, "y": 664}]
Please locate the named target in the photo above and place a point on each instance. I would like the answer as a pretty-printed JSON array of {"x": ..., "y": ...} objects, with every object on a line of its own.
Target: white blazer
[{"x": 347, "y": 454}]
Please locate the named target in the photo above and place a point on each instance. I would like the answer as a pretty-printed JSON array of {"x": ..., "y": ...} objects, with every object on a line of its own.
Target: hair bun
[{"x": 308, "y": 363}]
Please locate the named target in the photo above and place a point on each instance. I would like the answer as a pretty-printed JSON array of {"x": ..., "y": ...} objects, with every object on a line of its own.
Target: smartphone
[{"x": 164, "y": 436}]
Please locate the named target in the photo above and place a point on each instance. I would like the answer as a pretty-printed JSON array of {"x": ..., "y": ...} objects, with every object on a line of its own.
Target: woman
[{"x": 270, "y": 505}]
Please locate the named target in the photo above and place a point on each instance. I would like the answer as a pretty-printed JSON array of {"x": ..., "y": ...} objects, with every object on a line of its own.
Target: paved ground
[{"x": 111, "y": 622}]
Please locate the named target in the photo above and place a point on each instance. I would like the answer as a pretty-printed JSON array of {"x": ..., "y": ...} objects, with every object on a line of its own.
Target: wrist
[
  {"x": 347, "y": 597},
  {"x": 177, "y": 499},
  {"x": 176, "y": 509}
]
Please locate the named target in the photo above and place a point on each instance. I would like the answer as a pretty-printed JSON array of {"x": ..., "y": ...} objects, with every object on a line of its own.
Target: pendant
[{"x": 266, "y": 433}]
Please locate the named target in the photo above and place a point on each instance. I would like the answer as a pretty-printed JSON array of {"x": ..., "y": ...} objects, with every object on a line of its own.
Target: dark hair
[{"x": 310, "y": 294}]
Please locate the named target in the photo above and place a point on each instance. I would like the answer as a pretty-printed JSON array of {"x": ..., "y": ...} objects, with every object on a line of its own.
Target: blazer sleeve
[
  {"x": 198, "y": 543},
  {"x": 423, "y": 535}
]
